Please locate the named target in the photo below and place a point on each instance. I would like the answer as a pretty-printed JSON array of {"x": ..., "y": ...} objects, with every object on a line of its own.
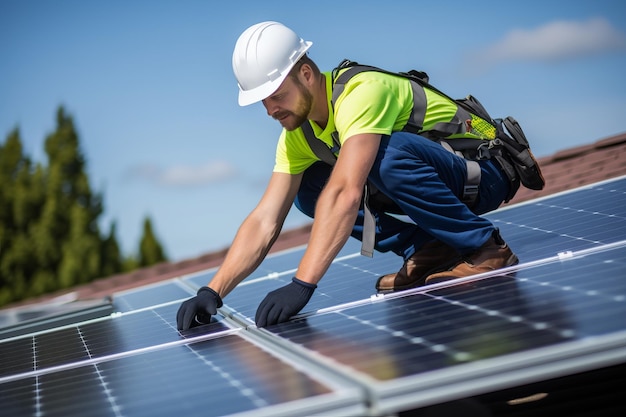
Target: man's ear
[{"x": 306, "y": 72}]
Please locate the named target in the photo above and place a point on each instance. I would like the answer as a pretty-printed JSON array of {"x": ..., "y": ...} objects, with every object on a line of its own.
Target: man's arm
[
  {"x": 252, "y": 242},
  {"x": 338, "y": 205},
  {"x": 335, "y": 213},
  {"x": 257, "y": 233}
]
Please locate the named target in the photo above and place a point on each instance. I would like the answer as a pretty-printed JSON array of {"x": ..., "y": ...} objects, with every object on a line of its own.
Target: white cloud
[
  {"x": 555, "y": 41},
  {"x": 184, "y": 175}
]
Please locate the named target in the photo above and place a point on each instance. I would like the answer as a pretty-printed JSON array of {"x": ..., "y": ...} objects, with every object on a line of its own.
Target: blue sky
[{"x": 151, "y": 90}]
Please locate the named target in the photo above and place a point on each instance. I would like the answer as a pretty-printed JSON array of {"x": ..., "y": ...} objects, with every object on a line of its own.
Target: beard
[{"x": 291, "y": 120}]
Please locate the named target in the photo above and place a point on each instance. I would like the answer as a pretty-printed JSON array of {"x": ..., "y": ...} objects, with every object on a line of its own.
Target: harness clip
[{"x": 470, "y": 192}]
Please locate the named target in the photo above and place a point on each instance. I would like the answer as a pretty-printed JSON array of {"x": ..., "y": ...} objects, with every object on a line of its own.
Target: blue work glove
[
  {"x": 198, "y": 310},
  {"x": 287, "y": 301}
]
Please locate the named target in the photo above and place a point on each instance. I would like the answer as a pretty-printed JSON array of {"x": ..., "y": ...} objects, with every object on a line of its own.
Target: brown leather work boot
[
  {"x": 433, "y": 256},
  {"x": 494, "y": 254}
]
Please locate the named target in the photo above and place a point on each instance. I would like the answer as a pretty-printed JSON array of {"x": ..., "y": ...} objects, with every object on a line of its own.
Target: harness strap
[
  {"x": 416, "y": 118},
  {"x": 472, "y": 179},
  {"x": 470, "y": 189},
  {"x": 368, "y": 240},
  {"x": 319, "y": 148}
]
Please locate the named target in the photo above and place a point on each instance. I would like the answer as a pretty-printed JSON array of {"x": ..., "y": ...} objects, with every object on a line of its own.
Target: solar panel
[
  {"x": 99, "y": 338},
  {"x": 136, "y": 363},
  {"x": 351, "y": 351},
  {"x": 496, "y": 323},
  {"x": 219, "y": 376},
  {"x": 591, "y": 216},
  {"x": 28, "y": 319}
]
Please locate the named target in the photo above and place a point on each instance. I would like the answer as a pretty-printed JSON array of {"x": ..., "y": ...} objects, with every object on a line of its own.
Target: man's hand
[
  {"x": 198, "y": 310},
  {"x": 287, "y": 301}
]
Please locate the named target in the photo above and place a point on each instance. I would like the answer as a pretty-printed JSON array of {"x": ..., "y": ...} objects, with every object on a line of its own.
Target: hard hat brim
[{"x": 247, "y": 97}]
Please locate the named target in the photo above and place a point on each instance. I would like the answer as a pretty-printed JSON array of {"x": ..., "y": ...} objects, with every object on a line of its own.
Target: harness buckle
[
  {"x": 470, "y": 193},
  {"x": 482, "y": 152}
]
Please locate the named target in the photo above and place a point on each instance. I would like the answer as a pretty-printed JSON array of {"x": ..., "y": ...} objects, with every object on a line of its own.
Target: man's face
[{"x": 290, "y": 104}]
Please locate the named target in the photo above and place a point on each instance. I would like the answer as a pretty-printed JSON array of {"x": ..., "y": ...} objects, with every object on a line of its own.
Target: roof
[{"x": 564, "y": 170}]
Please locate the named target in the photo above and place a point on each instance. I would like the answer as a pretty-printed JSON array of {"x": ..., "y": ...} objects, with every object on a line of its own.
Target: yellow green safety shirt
[{"x": 372, "y": 102}]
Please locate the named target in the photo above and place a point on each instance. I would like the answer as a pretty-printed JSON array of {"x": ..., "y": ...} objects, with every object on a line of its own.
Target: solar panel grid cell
[
  {"x": 17, "y": 356},
  {"x": 19, "y": 398}
]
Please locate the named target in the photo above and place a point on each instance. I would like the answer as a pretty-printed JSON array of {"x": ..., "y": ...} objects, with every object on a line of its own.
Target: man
[{"x": 447, "y": 241}]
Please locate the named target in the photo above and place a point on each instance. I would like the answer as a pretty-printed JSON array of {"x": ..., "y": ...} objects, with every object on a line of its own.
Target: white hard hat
[{"x": 263, "y": 56}]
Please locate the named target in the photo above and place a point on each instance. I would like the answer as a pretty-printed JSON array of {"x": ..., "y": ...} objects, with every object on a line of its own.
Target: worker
[{"x": 446, "y": 239}]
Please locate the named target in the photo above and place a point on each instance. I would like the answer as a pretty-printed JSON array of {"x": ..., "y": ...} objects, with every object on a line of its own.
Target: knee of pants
[
  {"x": 405, "y": 158},
  {"x": 313, "y": 181},
  {"x": 305, "y": 205}
]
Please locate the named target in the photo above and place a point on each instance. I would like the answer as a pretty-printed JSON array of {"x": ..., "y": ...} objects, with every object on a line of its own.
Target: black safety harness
[{"x": 512, "y": 153}]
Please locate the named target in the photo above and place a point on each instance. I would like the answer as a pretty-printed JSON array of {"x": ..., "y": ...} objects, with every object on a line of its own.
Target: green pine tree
[
  {"x": 112, "y": 262},
  {"x": 150, "y": 250},
  {"x": 15, "y": 251},
  {"x": 71, "y": 209},
  {"x": 49, "y": 233}
]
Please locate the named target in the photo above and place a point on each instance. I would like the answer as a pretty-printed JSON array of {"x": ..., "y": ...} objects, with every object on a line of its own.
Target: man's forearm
[
  {"x": 335, "y": 214},
  {"x": 252, "y": 242}
]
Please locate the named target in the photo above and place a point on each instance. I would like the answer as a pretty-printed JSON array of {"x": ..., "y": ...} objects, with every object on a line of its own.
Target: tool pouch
[{"x": 517, "y": 151}]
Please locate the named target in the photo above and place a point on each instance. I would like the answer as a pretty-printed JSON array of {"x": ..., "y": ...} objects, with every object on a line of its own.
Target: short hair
[{"x": 304, "y": 60}]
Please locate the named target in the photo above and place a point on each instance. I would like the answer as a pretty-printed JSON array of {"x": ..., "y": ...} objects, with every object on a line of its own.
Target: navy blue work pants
[{"x": 426, "y": 182}]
